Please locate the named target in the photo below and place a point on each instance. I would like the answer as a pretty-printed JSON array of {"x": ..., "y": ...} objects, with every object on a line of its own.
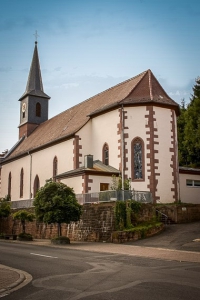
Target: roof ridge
[
  {"x": 150, "y": 84},
  {"x": 114, "y": 86},
  {"x": 162, "y": 87},
  {"x": 143, "y": 73}
]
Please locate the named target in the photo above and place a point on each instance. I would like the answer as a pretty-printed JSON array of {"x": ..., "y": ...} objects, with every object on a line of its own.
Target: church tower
[{"x": 34, "y": 102}]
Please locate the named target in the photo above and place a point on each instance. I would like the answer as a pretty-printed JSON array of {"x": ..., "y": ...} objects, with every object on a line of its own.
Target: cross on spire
[{"x": 36, "y": 36}]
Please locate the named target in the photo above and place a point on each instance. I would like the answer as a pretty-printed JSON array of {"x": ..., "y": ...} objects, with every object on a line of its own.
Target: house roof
[
  {"x": 142, "y": 89},
  {"x": 34, "y": 84},
  {"x": 98, "y": 168},
  {"x": 186, "y": 170}
]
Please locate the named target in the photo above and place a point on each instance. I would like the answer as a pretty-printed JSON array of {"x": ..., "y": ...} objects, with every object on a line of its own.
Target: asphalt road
[{"x": 63, "y": 273}]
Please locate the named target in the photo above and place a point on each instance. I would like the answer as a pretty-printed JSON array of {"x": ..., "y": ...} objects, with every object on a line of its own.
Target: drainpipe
[
  {"x": 122, "y": 145},
  {"x": 30, "y": 177}
]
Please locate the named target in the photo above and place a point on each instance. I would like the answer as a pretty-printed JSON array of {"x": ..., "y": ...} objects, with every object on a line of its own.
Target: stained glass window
[
  {"x": 36, "y": 185},
  {"x": 137, "y": 159},
  {"x": 21, "y": 182},
  {"x": 106, "y": 155},
  {"x": 55, "y": 168}
]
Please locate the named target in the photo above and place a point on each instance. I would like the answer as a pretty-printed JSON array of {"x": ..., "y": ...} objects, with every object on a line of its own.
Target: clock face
[{"x": 23, "y": 107}]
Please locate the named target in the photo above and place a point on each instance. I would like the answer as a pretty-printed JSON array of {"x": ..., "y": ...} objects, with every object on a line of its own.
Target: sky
[{"x": 87, "y": 46}]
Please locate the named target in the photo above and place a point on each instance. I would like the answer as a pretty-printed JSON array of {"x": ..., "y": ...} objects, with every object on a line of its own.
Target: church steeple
[
  {"x": 34, "y": 84},
  {"x": 34, "y": 102}
]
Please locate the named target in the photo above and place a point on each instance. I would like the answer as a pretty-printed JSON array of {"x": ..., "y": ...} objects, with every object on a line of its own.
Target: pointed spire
[{"x": 34, "y": 84}]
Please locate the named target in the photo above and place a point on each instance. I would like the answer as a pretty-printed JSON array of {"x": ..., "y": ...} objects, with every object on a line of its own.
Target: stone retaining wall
[
  {"x": 183, "y": 213},
  {"x": 130, "y": 236},
  {"x": 98, "y": 223}
]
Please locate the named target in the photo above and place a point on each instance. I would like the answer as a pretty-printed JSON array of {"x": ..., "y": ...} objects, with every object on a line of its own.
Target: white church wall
[
  {"x": 95, "y": 186},
  {"x": 104, "y": 130},
  {"x": 38, "y": 163},
  {"x": 164, "y": 126},
  {"x": 190, "y": 193},
  {"x": 165, "y": 179},
  {"x": 85, "y": 133},
  {"x": 42, "y": 161},
  {"x": 15, "y": 168},
  {"x": 75, "y": 183},
  {"x": 136, "y": 128}
]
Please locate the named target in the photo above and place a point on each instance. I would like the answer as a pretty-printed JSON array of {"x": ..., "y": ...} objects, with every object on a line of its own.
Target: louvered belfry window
[{"x": 38, "y": 109}]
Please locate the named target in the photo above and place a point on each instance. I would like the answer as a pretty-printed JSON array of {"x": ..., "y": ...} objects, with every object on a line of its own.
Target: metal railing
[
  {"x": 105, "y": 196},
  {"x": 22, "y": 203},
  {"x": 108, "y": 196}
]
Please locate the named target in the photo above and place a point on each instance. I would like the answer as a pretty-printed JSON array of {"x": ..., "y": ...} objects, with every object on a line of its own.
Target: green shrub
[
  {"x": 2, "y": 235},
  {"x": 25, "y": 237},
  {"x": 60, "y": 240}
]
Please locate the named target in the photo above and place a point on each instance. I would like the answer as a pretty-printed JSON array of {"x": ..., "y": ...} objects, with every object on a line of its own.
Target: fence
[
  {"x": 22, "y": 204},
  {"x": 105, "y": 196}
]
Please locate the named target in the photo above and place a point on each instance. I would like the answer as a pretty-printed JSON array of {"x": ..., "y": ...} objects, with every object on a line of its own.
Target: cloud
[
  {"x": 57, "y": 69},
  {"x": 8, "y": 69},
  {"x": 66, "y": 85}
]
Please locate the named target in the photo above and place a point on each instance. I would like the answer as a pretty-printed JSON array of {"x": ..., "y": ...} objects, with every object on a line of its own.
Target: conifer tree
[
  {"x": 192, "y": 128},
  {"x": 182, "y": 152}
]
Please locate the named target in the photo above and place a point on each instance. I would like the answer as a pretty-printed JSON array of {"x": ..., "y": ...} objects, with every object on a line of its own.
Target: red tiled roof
[{"x": 143, "y": 88}]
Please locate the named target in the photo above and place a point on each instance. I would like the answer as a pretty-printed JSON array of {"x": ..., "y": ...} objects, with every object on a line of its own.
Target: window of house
[
  {"x": 137, "y": 159},
  {"x": 36, "y": 185},
  {"x": 55, "y": 168},
  {"x": 9, "y": 185},
  {"x": 38, "y": 109},
  {"x": 105, "y": 154},
  {"x": 21, "y": 183},
  {"x": 194, "y": 183},
  {"x": 104, "y": 187}
]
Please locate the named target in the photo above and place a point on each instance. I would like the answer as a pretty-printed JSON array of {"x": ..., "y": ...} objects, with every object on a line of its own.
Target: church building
[{"x": 128, "y": 130}]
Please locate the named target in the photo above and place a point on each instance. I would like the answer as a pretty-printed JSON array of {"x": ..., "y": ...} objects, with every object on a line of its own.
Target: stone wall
[
  {"x": 96, "y": 224},
  {"x": 130, "y": 236},
  {"x": 183, "y": 213}
]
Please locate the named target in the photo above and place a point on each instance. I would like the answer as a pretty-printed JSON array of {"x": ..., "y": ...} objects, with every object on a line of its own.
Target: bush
[
  {"x": 63, "y": 240},
  {"x": 25, "y": 237},
  {"x": 2, "y": 235}
]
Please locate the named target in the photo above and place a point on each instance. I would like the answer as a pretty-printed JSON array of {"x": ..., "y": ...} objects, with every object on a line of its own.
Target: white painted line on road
[{"x": 43, "y": 255}]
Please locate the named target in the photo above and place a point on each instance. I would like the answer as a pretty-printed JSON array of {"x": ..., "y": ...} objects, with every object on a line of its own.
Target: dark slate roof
[
  {"x": 98, "y": 167},
  {"x": 186, "y": 170},
  {"x": 143, "y": 89},
  {"x": 34, "y": 84}
]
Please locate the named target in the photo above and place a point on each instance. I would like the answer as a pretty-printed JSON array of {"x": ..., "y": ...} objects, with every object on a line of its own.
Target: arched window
[
  {"x": 105, "y": 156},
  {"x": 9, "y": 185},
  {"x": 137, "y": 159},
  {"x": 36, "y": 185},
  {"x": 55, "y": 168},
  {"x": 21, "y": 183},
  {"x": 38, "y": 109}
]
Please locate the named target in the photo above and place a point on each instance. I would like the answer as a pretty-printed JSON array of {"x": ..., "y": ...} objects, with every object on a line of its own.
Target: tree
[
  {"x": 117, "y": 183},
  {"x": 192, "y": 127},
  {"x": 181, "y": 122},
  {"x": 24, "y": 216},
  {"x": 56, "y": 203},
  {"x": 5, "y": 208}
]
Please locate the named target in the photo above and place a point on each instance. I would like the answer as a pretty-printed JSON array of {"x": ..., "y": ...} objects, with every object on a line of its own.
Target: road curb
[{"x": 24, "y": 278}]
